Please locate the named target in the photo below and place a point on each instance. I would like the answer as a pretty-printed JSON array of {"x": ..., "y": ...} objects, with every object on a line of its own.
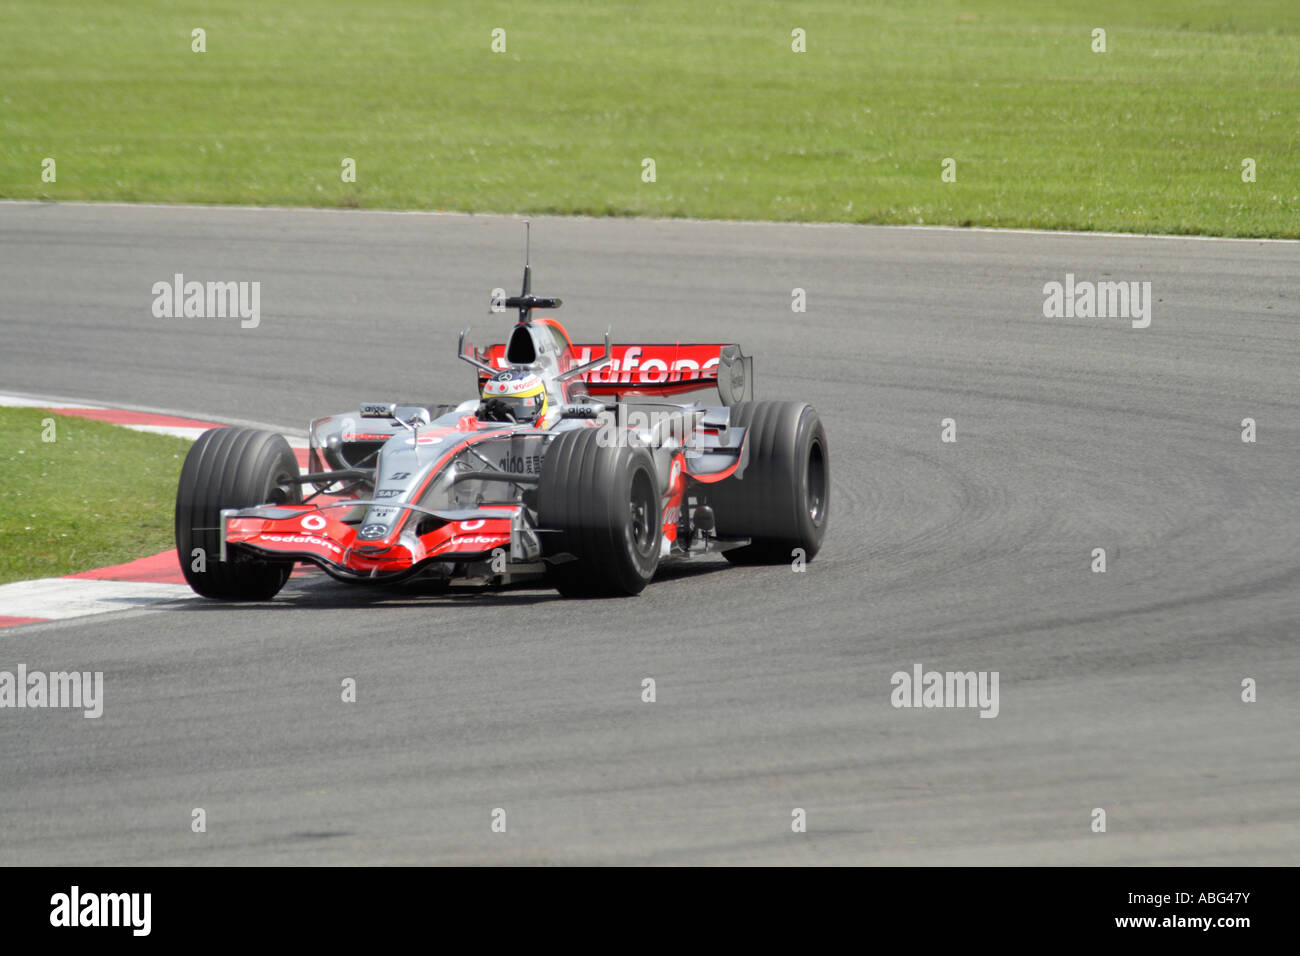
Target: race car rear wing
[{"x": 659, "y": 370}]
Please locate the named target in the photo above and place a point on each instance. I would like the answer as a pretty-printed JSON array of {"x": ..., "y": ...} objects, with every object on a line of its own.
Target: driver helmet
[{"x": 523, "y": 393}]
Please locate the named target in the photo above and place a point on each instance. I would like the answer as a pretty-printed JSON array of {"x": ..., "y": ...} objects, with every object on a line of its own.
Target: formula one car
[{"x": 579, "y": 472}]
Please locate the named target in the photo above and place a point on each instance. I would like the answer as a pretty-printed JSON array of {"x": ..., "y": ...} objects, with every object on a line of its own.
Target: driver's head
[{"x": 522, "y": 392}]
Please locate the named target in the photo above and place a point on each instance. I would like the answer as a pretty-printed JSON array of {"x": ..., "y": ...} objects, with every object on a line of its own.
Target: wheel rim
[
  {"x": 816, "y": 483},
  {"x": 282, "y": 490},
  {"x": 641, "y": 508}
]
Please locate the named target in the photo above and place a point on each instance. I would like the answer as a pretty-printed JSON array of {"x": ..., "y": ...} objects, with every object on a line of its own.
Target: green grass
[
  {"x": 97, "y": 495},
  {"x": 1149, "y": 136}
]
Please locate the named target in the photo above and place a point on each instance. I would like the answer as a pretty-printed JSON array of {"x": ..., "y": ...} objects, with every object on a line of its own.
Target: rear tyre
[
  {"x": 604, "y": 505},
  {"x": 231, "y": 468},
  {"x": 781, "y": 502}
]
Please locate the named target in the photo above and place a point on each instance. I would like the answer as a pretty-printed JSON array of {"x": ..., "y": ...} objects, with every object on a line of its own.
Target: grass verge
[
  {"x": 1150, "y": 135},
  {"x": 96, "y": 495}
]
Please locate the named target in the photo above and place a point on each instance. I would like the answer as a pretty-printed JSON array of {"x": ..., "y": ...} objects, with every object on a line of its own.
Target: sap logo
[{"x": 388, "y": 492}]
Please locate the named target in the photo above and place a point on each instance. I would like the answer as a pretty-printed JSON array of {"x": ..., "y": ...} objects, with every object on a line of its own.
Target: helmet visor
[{"x": 525, "y": 408}]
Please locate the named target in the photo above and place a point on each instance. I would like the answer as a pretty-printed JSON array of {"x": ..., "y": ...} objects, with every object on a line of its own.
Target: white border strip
[
  {"x": 69, "y": 597},
  {"x": 27, "y": 400},
  {"x": 57, "y": 599}
]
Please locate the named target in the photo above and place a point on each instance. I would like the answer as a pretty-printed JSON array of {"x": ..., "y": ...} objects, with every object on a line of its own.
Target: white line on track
[{"x": 515, "y": 217}]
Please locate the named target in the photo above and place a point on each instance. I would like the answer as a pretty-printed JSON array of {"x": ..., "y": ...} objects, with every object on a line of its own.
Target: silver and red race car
[{"x": 581, "y": 471}]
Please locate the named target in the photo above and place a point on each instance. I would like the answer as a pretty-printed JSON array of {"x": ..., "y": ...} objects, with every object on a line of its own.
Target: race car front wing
[{"x": 318, "y": 533}]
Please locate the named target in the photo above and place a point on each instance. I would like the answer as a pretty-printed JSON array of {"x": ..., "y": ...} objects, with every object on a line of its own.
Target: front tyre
[
  {"x": 603, "y": 504},
  {"x": 781, "y": 501},
  {"x": 231, "y": 468}
]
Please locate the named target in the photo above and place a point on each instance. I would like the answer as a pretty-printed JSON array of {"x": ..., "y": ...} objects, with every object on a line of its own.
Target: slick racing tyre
[
  {"x": 781, "y": 500},
  {"x": 231, "y": 468},
  {"x": 603, "y": 504}
]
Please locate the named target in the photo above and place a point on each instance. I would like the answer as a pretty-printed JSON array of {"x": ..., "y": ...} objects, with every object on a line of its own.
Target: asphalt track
[{"x": 1118, "y": 690}]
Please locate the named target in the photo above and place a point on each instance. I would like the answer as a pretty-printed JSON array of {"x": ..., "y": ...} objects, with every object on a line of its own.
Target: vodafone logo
[
  {"x": 302, "y": 539},
  {"x": 313, "y": 522},
  {"x": 648, "y": 365},
  {"x": 477, "y": 539},
  {"x": 635, "y": 366},
  {"x": 473, "y": 525}
]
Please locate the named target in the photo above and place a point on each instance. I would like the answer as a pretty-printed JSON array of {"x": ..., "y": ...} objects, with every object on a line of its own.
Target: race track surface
[{"x": 1119, "y": 691}]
